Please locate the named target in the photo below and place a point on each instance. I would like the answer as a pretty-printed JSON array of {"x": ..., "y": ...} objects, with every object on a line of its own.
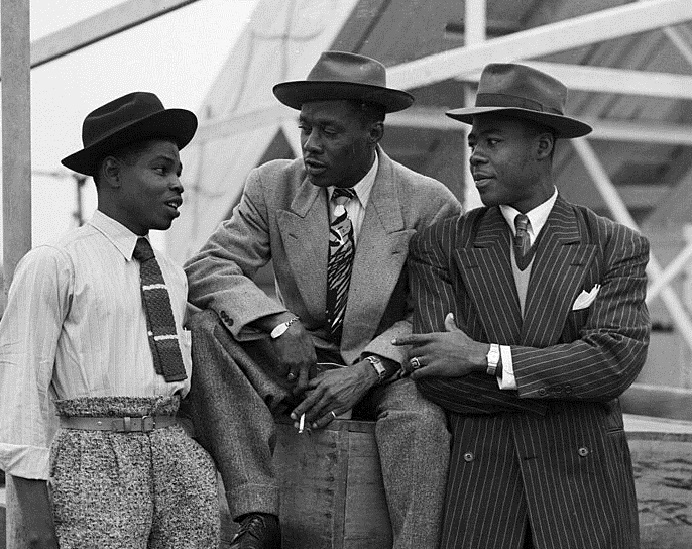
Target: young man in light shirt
[{"x": 93, "y": 330}]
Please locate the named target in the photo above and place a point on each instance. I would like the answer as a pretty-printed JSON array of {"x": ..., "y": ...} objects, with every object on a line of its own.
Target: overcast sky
[{"x": 176, "y": 56}]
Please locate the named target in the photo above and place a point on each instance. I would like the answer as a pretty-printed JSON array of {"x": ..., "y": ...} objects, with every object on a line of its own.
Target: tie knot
[
  {"x": 143, "y": 250},
  {"x": 521, "y": 222},
  {"x": 341, "y": 196}
]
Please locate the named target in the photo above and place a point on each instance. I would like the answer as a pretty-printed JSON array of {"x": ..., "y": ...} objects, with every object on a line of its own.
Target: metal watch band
[
  {"x": 379, "y": 367},
  {"x": 281, "y": 328},
  {"x": 493, "y": 357}
]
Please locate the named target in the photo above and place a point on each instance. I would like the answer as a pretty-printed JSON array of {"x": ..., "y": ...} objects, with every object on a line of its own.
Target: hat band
[{"x": 512, "y": 101}]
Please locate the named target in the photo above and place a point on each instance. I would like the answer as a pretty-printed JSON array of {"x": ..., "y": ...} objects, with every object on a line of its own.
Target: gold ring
[{"x": 415, "y": 363}]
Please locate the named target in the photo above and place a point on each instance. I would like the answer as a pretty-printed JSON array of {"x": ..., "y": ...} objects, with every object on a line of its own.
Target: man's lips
[
  {"x": 174, "y": 204},
  {"x": 482, "y": 179},
  {"x": 314, "y": 167}
]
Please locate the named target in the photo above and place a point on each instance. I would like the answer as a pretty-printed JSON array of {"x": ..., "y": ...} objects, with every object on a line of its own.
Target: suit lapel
[
  {"x": 556, "y": 276},
  {"x": 381, "y": 251},
  {"x": 487, "y": 275},
  {"x": 304, "y": 230}
]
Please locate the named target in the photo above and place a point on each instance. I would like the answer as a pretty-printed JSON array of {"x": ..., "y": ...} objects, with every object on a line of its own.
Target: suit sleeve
[
  {"x": 597, "y": 366},
  {"x": 440, "y": 204},
  {"x": 611, "y": 350},
  {"x": 220, "y": 274},
  {"x": 434, "y": 297}
]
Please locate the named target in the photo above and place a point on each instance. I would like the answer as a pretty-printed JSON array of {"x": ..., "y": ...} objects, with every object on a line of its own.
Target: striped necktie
[
  {"x": 341, "y": 252},
  {"x": 163, "y": 335},
  {"x": 523, "y": 251}
]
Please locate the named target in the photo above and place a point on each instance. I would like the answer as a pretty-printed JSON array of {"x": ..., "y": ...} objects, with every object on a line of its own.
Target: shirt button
[
  {"x": 468, "y": 456},
  {"x": 583, "y": 451},
  {"x": 568, "y": 389},
  {"x": 542, "y": 392}
]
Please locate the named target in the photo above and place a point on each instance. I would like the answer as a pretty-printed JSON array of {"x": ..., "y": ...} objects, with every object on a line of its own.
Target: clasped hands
[
  {"x": 326, "y": 394},
  {"x": 447, "y": 354}
]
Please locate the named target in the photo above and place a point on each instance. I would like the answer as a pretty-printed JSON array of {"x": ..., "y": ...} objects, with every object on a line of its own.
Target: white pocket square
[{"x": 586, "y": 298}]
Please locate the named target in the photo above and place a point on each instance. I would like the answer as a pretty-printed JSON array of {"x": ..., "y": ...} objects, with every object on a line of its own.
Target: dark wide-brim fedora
[
  {"x": 134, "y": 117},
  {"x": 522, "y": 92},
  {"x": 344, "y": 75}
]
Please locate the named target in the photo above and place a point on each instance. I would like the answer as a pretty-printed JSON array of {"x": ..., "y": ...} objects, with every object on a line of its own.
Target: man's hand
[
  {"x": 447, "y": 354},
  {"x": 295, "y": 352},
  {"x": 335, "y": 391},
  {"x": 32, "y": 498}
]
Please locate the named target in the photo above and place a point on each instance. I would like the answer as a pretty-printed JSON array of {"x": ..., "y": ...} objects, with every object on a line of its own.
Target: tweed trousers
[
  {"x": 137, "y": 490},
  {"x": 234, "y": 400}
]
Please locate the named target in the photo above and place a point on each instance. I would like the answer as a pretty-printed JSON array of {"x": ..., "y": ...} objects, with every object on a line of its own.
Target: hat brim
[
  {"x": 178, "y": 125},
  {"x": 564, "y": 125},
  {"x": 294, "y": 94}
]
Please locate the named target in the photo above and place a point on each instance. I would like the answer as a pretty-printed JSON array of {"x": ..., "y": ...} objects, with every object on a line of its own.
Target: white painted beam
[
  {"x": 610, "y": 80},
  {"x": 562, "y": 35},
  {"x": 433, "y": 118},
  {"x": 97, "y": 27}
]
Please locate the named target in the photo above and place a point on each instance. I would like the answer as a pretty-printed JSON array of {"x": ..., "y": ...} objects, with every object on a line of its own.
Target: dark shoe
[{"x": 258, "y": 531}]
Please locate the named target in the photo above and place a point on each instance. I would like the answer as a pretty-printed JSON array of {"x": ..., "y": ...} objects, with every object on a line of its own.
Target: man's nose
[{"x": 311, "y": 142}]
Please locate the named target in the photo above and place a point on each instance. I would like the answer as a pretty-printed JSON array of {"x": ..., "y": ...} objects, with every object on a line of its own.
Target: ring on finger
[
  {"x": 291, "y": 376},
  {"x": 415, "y": 363},
  {"x": 333, "y": 414}
]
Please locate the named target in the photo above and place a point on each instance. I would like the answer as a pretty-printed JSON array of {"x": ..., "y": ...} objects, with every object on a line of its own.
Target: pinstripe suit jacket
[{"x": 554, "y": 450}]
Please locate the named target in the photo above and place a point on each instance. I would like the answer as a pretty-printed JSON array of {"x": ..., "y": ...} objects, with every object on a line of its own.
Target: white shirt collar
[
  {"x": 537, "y": 217},
  {"x": 364, "y": 186},
  {"x": 121, "y": 237}
]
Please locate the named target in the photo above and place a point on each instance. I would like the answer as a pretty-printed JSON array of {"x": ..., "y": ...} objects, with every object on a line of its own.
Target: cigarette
[{"x": 301, "y": 427}]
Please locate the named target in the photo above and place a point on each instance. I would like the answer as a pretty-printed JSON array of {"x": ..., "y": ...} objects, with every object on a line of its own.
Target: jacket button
[
  {"x": 542, "y": 392},
  {"x": 583, "y": 451},
  {"x": 468, "y": 456}
]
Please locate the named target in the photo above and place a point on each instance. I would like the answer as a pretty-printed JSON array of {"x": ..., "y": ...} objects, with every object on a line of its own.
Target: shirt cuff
[
  {"x": 507, "y": 381},
  {"x": 25, "y": 461}
]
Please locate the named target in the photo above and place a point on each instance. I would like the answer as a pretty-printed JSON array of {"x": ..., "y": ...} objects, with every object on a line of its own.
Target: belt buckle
[{"x": 147, "y": 424}]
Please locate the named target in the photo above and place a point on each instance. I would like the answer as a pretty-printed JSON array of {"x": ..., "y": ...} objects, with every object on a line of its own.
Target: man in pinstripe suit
[{"x": 528, "y": 348}]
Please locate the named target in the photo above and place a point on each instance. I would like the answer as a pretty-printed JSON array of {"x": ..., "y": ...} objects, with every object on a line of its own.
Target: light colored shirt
[
  {"x": 355, "y": 208},
  {"x": 537, "y": 220},
  {"x": 75, "y": 326}
]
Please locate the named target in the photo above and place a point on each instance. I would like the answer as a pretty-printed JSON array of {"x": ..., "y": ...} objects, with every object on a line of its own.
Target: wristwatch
[
  {"x": 493, "y": 358},
  {"x": 379, "y": 367},
  {"x": 281, "y": 328}
]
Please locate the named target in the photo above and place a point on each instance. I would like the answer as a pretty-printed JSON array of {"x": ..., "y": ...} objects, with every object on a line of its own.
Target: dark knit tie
[
  {"x": 523, "y": 252},
  {"x": 163, "y": 335},
  {"x": 341, "y": 252}
]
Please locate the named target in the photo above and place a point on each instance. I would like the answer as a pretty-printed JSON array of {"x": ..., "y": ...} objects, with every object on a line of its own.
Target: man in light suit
[
  {"x": 527, "y": 335},
  {"x": 255, "y": 354}
]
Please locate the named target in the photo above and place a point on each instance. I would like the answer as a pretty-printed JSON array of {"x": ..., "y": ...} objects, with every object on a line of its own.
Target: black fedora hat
[
  {"x": 522, "y": 92},
  {"x": 134, "y": 117},
  {"x": 344, "y": 75}
]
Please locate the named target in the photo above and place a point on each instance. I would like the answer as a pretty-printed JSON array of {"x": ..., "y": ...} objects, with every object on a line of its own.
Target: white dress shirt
[
  {"x": 537, "y": 219},
  {"x": 355, "y": 208},
  {"x": 75, "y": 326}
]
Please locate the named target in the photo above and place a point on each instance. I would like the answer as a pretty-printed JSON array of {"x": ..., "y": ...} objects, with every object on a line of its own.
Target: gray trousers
[
  {"x": 111, "y": 490},
  {"x": 233, "y": 402}
]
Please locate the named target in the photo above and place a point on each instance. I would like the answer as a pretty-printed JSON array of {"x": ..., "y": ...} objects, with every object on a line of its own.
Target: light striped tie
[
  {"x": 341, "y": 252},
  {"x": 163, "y": 335}
]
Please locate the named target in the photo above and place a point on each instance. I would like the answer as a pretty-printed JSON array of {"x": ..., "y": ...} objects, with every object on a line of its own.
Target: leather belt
[{"x": 143, "y": 424}]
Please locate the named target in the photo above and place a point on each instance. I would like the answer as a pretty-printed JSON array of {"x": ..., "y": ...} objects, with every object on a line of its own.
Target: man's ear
[
  {"x": 110, "y": 171},
  {"x": 545, "y": 143},
  {"x": 376, "y": 132}
]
